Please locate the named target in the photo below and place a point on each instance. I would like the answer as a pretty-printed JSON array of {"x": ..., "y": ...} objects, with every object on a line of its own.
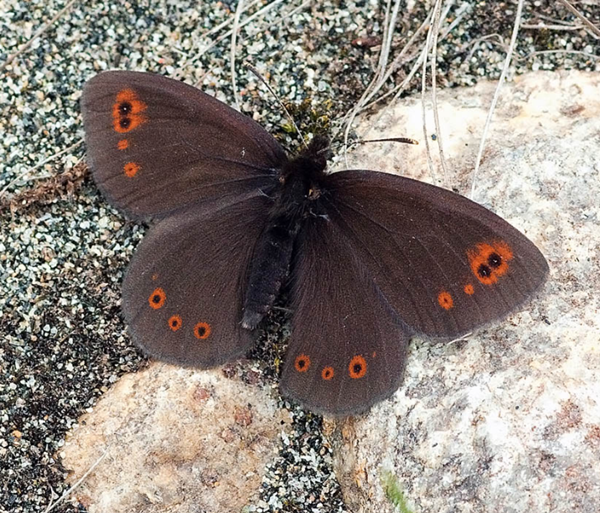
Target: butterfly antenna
[
  {"x": 258, "y": 75},
  {"x": 406, "y": 140}
]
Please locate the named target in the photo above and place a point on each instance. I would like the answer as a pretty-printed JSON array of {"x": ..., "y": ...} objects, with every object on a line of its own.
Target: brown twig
[{"x": 584, "y": 20}]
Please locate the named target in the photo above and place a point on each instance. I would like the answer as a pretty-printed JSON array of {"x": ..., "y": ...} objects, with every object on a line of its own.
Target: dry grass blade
[
  {"x": 287, "y": 113},
  {"x": 45, "y": 27},
  {"x": 595, "y": 30},
  {"x": 436, "y": 117},
  {"x": 234, "y": 32},
  {"x": 368, "y": 99},
  {"x": 547, "y": 52},
  {"x": 423, "y": 106},
  {"x": 81, "y": 480},
  {"x": 380, "y": 76},
  {"x": 507, "y": 61},
  {"x": 227, "y": 34}
]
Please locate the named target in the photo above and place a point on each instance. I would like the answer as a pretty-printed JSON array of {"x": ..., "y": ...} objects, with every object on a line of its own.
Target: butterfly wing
[
  {"x": 445, "y": 264},
  {"x": 156, "y": 145},
  {"x": 348, "y": 347},
  {"x": 183, "y": 291}
]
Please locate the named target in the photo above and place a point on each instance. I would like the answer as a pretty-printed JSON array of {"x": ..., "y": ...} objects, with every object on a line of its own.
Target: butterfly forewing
[
  {"x": 347, "y": 349},
  {"x": 156, "y": 144},
  {"x": 183, "y": 292},
  {"x": 445, "y": 264}
]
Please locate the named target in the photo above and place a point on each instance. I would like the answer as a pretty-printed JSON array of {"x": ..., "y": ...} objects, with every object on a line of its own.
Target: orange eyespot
[
  {"x": 445, "y": 300},
  {"x": 123, "y": 144},
  {"x": 357, "y": 367},
  {"x": 302, "y": 363},
  {"x": 127, "y": 111},
  {"x": 175, "y": 322},
  {"x": 157, "y": 298},
  {"x": 469, "y": 289},
  {"x": 202, "y": 330},
  {"x": 327, "y": 373},
  {"x": 489, "y": 261},
  {"x": 131, "y": 169}
]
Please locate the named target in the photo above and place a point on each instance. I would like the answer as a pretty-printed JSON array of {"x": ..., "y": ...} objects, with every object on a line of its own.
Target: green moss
[{"x": 393, "y": 492}]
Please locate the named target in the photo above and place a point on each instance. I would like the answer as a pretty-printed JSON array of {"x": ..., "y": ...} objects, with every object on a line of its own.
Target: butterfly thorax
[{"x": 297, "y": 197}]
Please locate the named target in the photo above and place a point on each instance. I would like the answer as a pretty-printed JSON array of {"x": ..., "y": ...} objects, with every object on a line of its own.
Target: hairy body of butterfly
[
  {"x": 373, "y": 257},
  {"x": 295, "y": 199}
]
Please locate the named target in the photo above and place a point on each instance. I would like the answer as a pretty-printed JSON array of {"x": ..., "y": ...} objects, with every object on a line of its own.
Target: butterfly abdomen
[
  {"x": 296, "y": 197},
  {"x": 269, "y": 268}
]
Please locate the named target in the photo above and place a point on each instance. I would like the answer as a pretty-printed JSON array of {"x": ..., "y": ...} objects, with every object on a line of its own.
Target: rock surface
[
  {"x": 175, "y": 440},
  {"x": 507, "y": 420}
]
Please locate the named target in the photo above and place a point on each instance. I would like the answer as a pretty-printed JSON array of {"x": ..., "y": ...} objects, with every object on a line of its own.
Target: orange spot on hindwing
[
  {"x": 175, "y": 322},
  {"x": 445, "y": 300},
  {"x": 157, "y": 298},
  {"x": 489, "y": 261},
  {"x": 127, "y": 111},
  {"x": 327, "y": 373},
  {"x": 302, "y": 363},
  {"x": 123, "y": 144},
  {"x": 469, "y": 289},
  {"x": 130, "y": 169},
  {"x": 357, "y": 367},
  {"x": 202, "y": 330}
]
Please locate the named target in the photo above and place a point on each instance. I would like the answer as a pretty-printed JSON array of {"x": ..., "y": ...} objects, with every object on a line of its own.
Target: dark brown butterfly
[{"x": 373, "y": 257}]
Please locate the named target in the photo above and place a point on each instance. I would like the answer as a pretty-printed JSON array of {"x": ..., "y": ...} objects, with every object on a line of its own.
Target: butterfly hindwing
[
  {"x": 183, "y": 291},
  {"x": 445, "y": 264},
  {"x": 156, "y": 144},
  {"x": 348, "y": 348}
]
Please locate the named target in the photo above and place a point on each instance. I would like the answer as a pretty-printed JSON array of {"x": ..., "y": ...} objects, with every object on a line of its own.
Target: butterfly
[{"x": 370, "y": 258}]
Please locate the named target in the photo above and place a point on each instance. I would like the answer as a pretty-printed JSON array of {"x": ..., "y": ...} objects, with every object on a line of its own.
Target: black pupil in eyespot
[
  {"x": 495, "y": 260},
  {"x": 484, "y": 271},
  {"x": 174, "y": 322},
  {"x": 156, "y": 298},
  {"x": 301, "y": 363},
  {"x": 357, "y": 368},
  {"x": 125, "y": 108},
  {"x": 201, "y": 331},
  {"x": 124, "y": 122}
]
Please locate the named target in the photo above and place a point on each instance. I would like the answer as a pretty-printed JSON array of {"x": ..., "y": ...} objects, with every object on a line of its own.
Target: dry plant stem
[
  {"x": 542, "y": 52},
  {"x": 505, "y": 68},
  {"x": 264, "y": 9},
  {"x": 423, "y": 107},
  {"x": 386, "y": 46},
  {"x": 26, "y": 46},
  {"x": 227, "y": 34},
  {"x": 379, "y": 79},
  {"x": 81, "y": 480},
  {"x": 287, "y": 113},
  {"x": 436, "y": 117},
  {"x": 460, "y": 14},
  {"x": 234, "y": 31},
  {"x": 397, "y": 91},
  {"x": 595, "y": 30},
  {"x": 43, "y": 163},
  {"x": 552, "y": 27},
  {"x": 179, "y": 73}
]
